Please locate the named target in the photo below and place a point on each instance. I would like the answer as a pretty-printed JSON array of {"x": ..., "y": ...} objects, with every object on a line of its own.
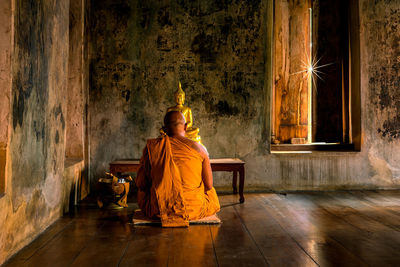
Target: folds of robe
[{"x": 170, "y": 183}]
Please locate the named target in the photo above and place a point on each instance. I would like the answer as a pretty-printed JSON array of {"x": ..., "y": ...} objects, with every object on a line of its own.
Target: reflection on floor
[{"x": 357, "y": 228}]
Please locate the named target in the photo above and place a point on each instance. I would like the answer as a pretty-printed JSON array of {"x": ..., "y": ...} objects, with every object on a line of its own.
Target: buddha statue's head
[{"x": 180, "y": 95}]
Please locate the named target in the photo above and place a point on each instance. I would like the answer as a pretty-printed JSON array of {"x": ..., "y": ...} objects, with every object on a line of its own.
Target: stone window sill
[{"x": 313, "y": 147}]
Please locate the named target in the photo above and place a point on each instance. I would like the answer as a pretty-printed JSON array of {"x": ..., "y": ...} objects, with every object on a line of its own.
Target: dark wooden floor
[{"x": 302, "y": 229}]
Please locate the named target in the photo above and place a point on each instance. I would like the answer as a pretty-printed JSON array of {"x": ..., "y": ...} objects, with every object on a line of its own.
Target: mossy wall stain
[
  {"x": 141, "y": 49},
  {"x": 139, "y": 52},
  {"x": 33, "y": 197},
  {"x": 217, "y": 49},
  {"x": 384, "y": 55}
]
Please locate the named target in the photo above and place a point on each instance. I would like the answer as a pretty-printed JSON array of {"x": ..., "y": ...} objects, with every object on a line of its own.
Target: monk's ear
[{"x": 185, "y": 126}]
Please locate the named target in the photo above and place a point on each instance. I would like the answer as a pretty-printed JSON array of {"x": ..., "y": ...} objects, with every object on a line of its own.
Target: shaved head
[{"x": 174, "y": 123}]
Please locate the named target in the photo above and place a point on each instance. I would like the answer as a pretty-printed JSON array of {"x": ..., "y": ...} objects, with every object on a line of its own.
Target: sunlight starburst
[{"x": 311, "y": 69}]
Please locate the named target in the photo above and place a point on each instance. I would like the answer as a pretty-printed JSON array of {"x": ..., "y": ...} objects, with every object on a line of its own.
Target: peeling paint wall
[
  {"x": 380, "y": 53},
  {"x": 5, "y": 84},
  {"x": 72, "y": 179},
  {"x": 377, "y": 165},
  {"x": 76, "y": 75},
  {"x": 35, "y": 158},
  {"x": 383, "y": 55},
  {"x": 76, "y": 106},
  {"x": 139, "y": 51}
]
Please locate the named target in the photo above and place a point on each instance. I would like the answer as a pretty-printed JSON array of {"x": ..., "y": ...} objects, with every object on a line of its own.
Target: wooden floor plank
[
  {"x": 390, "y": 203},
  {"x": 101, "y": 251},
  {"x": 150, "y": 246},
  {"x": 300, "y": 224},
  {"x": 110, "y": 242},
  {"x": 232, "y": 243},
  {"x": 192, "y": 246},
  {"x": 50, "y": 233},
  {"x": 330, "y": 226},
  {"x": 375, "y": 243},
  {"x": 64, "y": 248},
  {"x": 391, "y": 194},
  {"x": 299, "y": 229},
  {"x": 367, "y": 209},
  {"x": 276, "y": 243}
]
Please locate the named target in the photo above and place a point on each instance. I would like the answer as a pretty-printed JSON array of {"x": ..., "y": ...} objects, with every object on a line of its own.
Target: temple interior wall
[
  {"x": 139, "y": 50},
  {"x": 76, "y": 138},
  {"x": 217, "y": 49},
  {"x": 34, "y": 50},
  {"x": 75, "y": 103},
  {"x": 134, "y": 54},
  {"x": 5, "y": 85}
]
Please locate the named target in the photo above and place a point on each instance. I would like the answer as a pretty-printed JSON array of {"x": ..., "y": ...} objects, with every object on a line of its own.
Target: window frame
[{"x": 354, "y": 98}]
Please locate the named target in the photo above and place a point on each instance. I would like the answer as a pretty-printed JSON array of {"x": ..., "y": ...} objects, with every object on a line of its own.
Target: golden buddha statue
[{"x": 191, "y": 132}]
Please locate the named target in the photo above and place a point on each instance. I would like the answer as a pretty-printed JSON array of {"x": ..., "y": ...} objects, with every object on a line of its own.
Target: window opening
[{"x": 313, "y": 72}]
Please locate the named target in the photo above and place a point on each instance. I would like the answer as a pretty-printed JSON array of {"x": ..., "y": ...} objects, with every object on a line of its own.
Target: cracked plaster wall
[
  {"x": 35, "y": 158},
  {"x": 380, "y": 83},
  {"x": 217, "y": 49},
  {"x": 141, "y": 49}
]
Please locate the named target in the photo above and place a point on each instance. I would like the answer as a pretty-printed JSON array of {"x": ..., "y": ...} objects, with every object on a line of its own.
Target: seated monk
[{"x": 174, "y": 179}]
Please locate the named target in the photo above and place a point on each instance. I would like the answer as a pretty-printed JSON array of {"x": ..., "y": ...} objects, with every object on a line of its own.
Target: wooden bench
[{"x": 227, "y": 165}]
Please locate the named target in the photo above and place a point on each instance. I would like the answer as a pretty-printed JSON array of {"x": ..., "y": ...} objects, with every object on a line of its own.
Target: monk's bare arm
[{"x": 207, "y": 174}]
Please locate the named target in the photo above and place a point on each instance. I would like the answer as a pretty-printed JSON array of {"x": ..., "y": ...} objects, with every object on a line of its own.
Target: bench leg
[
  {"x": 241, "y": 184},
  {"x": 234, "y": 182}
]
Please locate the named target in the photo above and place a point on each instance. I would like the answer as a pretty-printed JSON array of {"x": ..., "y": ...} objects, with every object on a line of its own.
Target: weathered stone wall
[
  {"x": 5, "y": 84},
  {"x": 76, "y": 107},
  {"x": 380, "y": 83},
  {"x": 72, "y": 179},
  {"x": 141, "y": 49},
  {"x": 35, "y": 159},
  {"x": 76, "y": 74},
  {"x": 217, "y": 49},
  {"x": 377, "y": 165}
]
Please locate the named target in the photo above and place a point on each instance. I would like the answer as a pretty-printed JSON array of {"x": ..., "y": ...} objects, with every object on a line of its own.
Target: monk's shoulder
[
  {"x": 199, "y": 148},
  {"x": 153, "y": 141},
  {"x": 194, "y": 145},
  {"x": 150, "y": 141}
]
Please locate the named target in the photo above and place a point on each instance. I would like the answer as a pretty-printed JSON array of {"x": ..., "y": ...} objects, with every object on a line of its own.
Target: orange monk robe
[{"x": 170, "y": 183}]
